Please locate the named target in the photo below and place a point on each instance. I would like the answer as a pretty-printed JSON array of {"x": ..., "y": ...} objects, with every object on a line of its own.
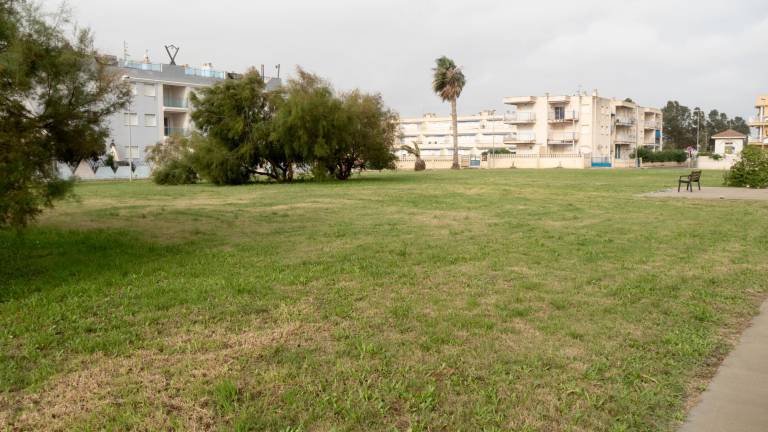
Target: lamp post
[{"x": 127, "y": 79}]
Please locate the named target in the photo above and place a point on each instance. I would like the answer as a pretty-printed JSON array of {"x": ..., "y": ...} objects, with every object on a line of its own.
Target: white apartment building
[
  {"x": 586, "y": 124},
  {"x": 477, "y": 133}
]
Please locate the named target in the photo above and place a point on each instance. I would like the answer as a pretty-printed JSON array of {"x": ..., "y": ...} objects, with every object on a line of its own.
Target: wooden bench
[{"x": 689, "y": 180}]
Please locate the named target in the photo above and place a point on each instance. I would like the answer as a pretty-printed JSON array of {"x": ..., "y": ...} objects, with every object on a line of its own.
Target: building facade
[
  {"x": 160, "y": 106},
  {"x": 759, "y": 123},
  {"x": 477, "y": 133},
  {"x": 585, "y": 124}
]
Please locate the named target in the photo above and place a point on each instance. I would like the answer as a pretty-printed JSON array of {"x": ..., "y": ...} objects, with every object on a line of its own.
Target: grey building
[{"x": 160, "y": 106}]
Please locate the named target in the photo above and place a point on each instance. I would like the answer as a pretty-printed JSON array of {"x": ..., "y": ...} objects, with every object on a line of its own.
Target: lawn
[{"x": 474, "y": 300}]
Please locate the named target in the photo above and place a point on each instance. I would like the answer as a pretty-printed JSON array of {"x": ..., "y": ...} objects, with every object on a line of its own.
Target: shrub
[
  {"x": 716, "y": 156},
  {"x": 500, "y": 150},
  {"x": 172, "y": 162},
  {"x": 176, "y": 172},
  {"x": 750, "y": 171},
  {"x": 669, "y": 155}
]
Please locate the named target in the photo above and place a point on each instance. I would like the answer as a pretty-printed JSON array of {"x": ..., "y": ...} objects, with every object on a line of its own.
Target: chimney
[{"x": 594, "y": 93}]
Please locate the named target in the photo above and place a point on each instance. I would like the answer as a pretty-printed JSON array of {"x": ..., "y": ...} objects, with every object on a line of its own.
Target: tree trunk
[{"x": 454, "y": 126}]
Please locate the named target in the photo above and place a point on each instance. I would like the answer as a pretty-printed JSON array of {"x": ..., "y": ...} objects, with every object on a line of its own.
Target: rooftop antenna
[
  {"x": 278, "y": 71},
  {"x": 125, "y": 51},
  {"x": 172, "y": 56},
  {"x": 262, "y": 71}
]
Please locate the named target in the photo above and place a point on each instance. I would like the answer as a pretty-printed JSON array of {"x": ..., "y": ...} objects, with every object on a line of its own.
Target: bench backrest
[{"x": 695, "y": 175}]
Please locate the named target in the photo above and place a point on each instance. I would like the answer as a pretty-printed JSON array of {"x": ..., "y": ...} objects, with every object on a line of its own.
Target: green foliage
[
  {"x": 500, "y": 150},
  {"x": 448, "y": 80},
  {"x": 334, "y": 133},
  {"x": 666, "y": 155},
  {"x": 54, "y": 99},
  {"x": 235, "y": 117},
  {"x": 681, "y": 125},
  {"x": 172, "y": 161},
  {"x": 750, "y": 171}
]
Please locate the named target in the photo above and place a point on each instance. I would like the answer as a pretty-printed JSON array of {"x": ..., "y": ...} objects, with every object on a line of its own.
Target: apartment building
[
  {"x": 160, "y": 106},
  {"x": 587, "y": 124},
  {"x": 759, "y": 123},
  {"x": 477, "y": 133}
]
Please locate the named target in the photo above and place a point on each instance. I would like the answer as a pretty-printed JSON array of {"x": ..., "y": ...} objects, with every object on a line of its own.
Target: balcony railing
[
  {"x": 172, "y": 102},
  {"x": 154, "y": 67},
  {"x": 652, "y": 124},
  {"x": 758, "y": 120},
  {"x": 520, "y": 138},
  {"x": 174, "y": 131},
  {"x": 563, "y": 116},
  {"x": 205, "y": 73},
  {"x": 625, "y": 121},
  {"x": 520, "y": 117},
  {"x": 625, "y": 139},
  {"x": 563, "y": 138}
]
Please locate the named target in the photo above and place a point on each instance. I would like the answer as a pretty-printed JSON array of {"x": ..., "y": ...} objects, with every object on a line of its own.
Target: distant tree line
[
  {"x": 247, "y": 131},
  {"x": 681, "y": 124}
]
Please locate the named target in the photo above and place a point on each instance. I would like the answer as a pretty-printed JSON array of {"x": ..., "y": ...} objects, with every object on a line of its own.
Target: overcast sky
[{"x": 713, "y": 54}]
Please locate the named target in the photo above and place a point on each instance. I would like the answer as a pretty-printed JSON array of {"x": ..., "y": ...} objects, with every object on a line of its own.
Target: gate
[{"x": 601, "y": 162}]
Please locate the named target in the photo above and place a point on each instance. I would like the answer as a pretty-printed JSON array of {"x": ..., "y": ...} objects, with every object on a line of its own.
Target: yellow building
[{"x": 760, "y": 122}]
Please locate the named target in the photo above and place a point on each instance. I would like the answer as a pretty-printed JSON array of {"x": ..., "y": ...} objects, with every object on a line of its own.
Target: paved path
[
  {"x": 714, "y": 193},
  {"x": 737, "y": 398}
]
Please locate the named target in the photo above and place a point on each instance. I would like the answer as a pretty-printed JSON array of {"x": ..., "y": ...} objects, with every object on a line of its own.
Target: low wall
[
  {"x": 686, "y": 164},
  {"x": 565, "y": 160},
  {"x": 707, "y": 163},
  {"x": 85, "y": 172}
]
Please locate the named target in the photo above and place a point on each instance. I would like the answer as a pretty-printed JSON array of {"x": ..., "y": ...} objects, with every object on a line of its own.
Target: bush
[
  {"x": 500, "y": 150},
  {"x": 669, "y": 155},
  {"x": 172, "y": 162},
  {"x": 176, "y": 172},
  {"x": 751, "y": 171}
]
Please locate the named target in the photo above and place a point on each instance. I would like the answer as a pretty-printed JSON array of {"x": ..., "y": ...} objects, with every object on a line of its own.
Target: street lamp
[{"x": 127, "y": 79}]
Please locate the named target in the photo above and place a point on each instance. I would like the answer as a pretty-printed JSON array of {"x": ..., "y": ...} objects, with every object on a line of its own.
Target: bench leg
[
  {"x": 678, "y": 186},
  {"x": 699, "y": 183}
]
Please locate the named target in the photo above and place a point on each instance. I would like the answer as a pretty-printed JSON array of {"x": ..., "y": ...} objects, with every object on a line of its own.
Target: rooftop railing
[
  {"x": 205, "y": 73},
  {"x": 154, "y": 67}
]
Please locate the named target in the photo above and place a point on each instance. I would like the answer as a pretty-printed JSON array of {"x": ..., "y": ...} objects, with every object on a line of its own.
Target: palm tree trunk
[{"x": 454, "y": 125}]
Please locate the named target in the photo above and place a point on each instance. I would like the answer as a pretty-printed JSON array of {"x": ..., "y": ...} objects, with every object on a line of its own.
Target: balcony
[
  {"x": 558, "y": 99},
  {"x": 758, "y": 121},
  {"x": 562, "y": 138},
  {"x": 520, "y": 138},
  {"x": 652, "y": 124},
  {"x": 519, "y": 100},
  {"x": 175, "y": 131},
  {"x": 563, "y": 116},
  {"x": 172, "y": 102},
  {"x": 520, "y": 117},
  {"x": 625, "y": 121},
  {"x": 625, "y": 139}
]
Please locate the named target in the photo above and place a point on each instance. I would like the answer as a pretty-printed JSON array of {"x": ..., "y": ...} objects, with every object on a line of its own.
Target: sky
[{"x": 712, "y": 54}]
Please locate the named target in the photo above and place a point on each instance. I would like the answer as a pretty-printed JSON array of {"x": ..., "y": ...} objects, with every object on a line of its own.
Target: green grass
[{"x": 473, "y": 300}]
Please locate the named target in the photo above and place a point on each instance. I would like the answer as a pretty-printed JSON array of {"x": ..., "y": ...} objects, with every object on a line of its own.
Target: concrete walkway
[
  {"x": 737, "y": 398},
  {"x": 713, "y": 193}
]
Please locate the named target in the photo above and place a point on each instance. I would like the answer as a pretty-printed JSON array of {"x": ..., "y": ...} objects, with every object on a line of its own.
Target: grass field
[{"x": 474, "y": 300}]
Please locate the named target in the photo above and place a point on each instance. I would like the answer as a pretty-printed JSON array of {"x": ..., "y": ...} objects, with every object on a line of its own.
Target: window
[
  {"x": 559, "y": 113},
  {"x": 150, "y": 120},
  {"x": 131, "y": 119},
  {"x": 149, "y": 90}
]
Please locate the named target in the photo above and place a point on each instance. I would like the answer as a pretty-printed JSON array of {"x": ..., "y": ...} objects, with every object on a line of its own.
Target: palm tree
[
  {"x": 414, "y": 150},
  {"x": 448, "y": 83}
]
